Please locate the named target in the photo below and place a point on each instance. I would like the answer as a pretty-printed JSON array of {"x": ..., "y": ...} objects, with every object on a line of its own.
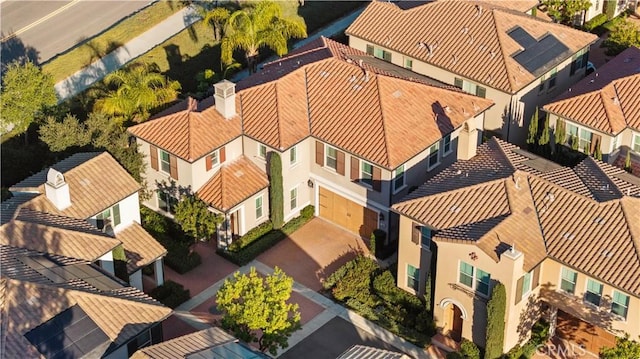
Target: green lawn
[{"x": 68, "y": 63}]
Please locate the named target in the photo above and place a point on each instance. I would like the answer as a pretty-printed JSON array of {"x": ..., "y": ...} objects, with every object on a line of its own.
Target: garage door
[
  {"x": 586, "y": 335},
  {"x": 347, "y": 214}
]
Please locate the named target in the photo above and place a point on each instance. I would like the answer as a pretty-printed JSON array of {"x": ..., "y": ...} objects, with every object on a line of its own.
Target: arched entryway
[{"x": 453, "y": 322}]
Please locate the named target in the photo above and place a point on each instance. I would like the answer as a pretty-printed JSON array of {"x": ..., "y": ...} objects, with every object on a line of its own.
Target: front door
[
  {"x": 234, "y": 224},
  {"x": 453, "y": 325}
]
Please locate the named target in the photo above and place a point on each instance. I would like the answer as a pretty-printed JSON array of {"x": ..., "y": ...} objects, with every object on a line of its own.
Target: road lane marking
[{"x": 40, "y": 21}]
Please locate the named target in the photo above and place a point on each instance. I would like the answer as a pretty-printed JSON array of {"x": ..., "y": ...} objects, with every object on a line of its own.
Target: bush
[
  {"x": 469, "y": 349},
  {"x": 356, "y": 282},
  {"x": 307, "y": 212},
  {"x": 252, "y": 235},
  {"x": 171, "y": 294},
  {"x": 454, "y": 355},
  {"x": 496, "y": 308},
  {"x": 180, "y": 257},
  {"x": 385, "y": 286},
  {"x": 598, "y": 20},
  {"x": 276, "y": 201},
  {"x": 153, "y": 222}
]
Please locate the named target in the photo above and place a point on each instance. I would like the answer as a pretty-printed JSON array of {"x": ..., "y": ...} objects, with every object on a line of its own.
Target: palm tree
[
  {"x": 253, "y": 27},
  {"x": 216, "y": 17},
  {"x": 135, "y": 91}
]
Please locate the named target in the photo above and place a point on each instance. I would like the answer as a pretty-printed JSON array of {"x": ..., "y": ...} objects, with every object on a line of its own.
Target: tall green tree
[
  {"x": 627, "y": 162},
  {"x": 26, "y": 94},
  {"x": 256, "y": 309},
  {"x": 575, "y": 143},
  {"x": 496, "y": 310},
  {"x": 215, "y": 17},
  {"x": 563, "y": 11},
  {"x": 543, "y": 140},
  {"x": 625, "y": 349},
  {"x": 195, "y": 218},
  {"x": 61, "y": 135},
  {"x": 560, "y": 134},
  {"x": 533, "y": 130},
  {"x": 276, "y": 196},
  {"x": 624, "y": 35},
  {"x": 258, "y": 25},
  {"x": 136, "y": 90},
  {"x": 597, "y": 152}
]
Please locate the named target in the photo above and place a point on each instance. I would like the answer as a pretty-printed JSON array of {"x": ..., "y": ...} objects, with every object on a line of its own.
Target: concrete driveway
[{"x": 314, "y": 251}]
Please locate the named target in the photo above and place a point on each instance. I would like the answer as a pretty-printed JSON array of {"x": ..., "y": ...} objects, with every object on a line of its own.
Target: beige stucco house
[
  {"x": 515, "y": 59},
  {"x": 604, "y": 110},
  {"x": 563, "y": 241},
  {"x": 354, "y": 134}
]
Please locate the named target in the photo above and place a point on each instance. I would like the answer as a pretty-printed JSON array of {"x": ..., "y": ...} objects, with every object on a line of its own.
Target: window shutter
[
  {"x": 208, "y": 163},
  {"x": 519, "y": 286},
  {"x": 595, "y": 141},
  {"x": 319, "y": 153},
  {"x": 222, "y": 156},
  {"x": 173, "y": 167},
  {"x": 415, "y": 233},
  {"x": 481, "y": 91},
  {"x": 377, "y": 184},
  {"x": 386, "y": 56},
  {"x": 458, "y": 82},
  {"x": 370, "y": 49},
  {"x": 153, "y": 153},
  {"x": 355, "y": 168},
  {"x": 340, "y": 162},
  {"x": 116, "y": 214},
  {"x": 535, "y": 281}
]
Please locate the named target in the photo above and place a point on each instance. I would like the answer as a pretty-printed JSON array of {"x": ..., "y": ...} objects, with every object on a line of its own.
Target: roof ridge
[
  {"x": 448, "y": 192},
  {"x": 278, "y": 110},
  {"x": 501, "y": 148},
  {"x": 635, "y": 240},
  {"x": 382, "y": 119},
  {"x": 614, "y": 84},
  {"x": 605, "y": 106}
]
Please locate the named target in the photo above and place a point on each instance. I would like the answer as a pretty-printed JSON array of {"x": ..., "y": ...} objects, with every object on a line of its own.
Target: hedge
[
  {"x": 253, "y": 234},
  {"x": 496, "y": 310},
  {"x": 171, "y": 294},
  {"x": 598, "y": 20},
  {"x": 276, "y": 196}
]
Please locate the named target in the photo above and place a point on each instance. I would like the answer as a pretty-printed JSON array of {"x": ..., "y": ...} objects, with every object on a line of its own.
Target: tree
[
  {"x": 624, "y": 35},
  {"x": 135, "y": 91},
  {"x": 560, "y": 135},
  {"x": 195, "y": 218},
  {"x": 256, "y": 26},
  {"x": 256, "y": 309},
  {"x": 627, "y": 162},
  {"x": 543, "y": 140},
  {"x": 597, "y": 152},
  {"x": 216, "y": 18},
  {"x": 533, "y": 130},
  {"x": 624, "y": 349},
  {"x": 61, "y": 135},
  {"x": 26, "y": 93},
  {"x": 575, "y": 143},
  {"x": 276, "y": 197},
  {"x": 564, "y": 11},
  {"x": 496, "y": 309}
]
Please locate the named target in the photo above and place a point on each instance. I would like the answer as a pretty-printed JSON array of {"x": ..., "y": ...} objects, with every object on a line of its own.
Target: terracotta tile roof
[
  {"x": 190, "y": 133},
  {"x": 91, "y": 190},
  {"x": 28, "y": 300},
  {"x": 233, "y": 183},
  {"x": 140, "y": 247},
  {"x": 467, "y": 38},
  {"x": 609, "y": 110},
  {"x": 181, "y": 347},
  {"x": 501, "y": 198}
]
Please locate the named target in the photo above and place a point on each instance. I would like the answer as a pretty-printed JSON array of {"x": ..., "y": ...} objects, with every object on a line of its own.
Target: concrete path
[
  {"x": 89, "y": 75},
  {"x": 331, "y": 310}
]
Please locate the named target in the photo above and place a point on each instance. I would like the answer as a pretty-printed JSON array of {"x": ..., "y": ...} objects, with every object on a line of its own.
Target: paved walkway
[{"x": 330, "y": 311}]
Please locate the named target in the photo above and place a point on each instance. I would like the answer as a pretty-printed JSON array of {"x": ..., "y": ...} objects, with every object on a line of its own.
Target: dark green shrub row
[
  {"x": 179, "y": 256},
  {"x": 171, "y": 294},
  {"x": 385, "y": 286},
  {"x": 598, "y": 20},
  {"x": 468, "y": 350},
  {"x": 252, "y": 235},
  {"x": 356, "y": 282},
  {"x": 307, "y": 212},
  {"x": 354, "y": 265}
]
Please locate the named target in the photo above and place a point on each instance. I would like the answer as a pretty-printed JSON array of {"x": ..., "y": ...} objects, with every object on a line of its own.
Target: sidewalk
[{"x": 89, "y": 75}]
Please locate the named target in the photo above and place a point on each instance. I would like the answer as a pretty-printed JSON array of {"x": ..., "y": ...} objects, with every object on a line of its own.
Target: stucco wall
[{"x": 199, "y": 173}]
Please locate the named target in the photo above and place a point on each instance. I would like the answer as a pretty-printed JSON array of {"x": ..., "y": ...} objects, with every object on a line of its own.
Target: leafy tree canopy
[
  {"x": 624, "y": 35},
  {"x": 625, "y": 349},
  {"x": 26, "y": 93},
  {"x": 563, "y": 11},
  {"x": 194, "y": 217},
  {"x": 256, "y": 309}
]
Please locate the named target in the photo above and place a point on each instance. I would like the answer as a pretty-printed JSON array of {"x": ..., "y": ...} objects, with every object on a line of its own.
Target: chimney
[
  {"x": 225, "y": 98},
  {"x": 57, "y": 190},
  {"x": 467, "y": 142}
]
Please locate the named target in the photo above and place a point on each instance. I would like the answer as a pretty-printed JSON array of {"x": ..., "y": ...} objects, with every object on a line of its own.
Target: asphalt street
[{"x": 52, "y": 27}]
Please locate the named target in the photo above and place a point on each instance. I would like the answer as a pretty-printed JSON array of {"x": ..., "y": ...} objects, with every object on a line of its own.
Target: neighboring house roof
[
  {"x": 140, "y": 247},
  {"x": 42, "y": 314},
  {"x": 484, "y": 42},
  {"x": 208, "y": 343},
  {"x": 505, "y": 197},
  {"x": 190, "y": 133},
  {"x": 316, "y": 90},
  {"x": 55, "y": 234},
  {"x": 96, "y": 182},
  {"x": 234, "y": 182},
  {"x": 366, "y": 352},
  {"x": 606, "y": 100}
]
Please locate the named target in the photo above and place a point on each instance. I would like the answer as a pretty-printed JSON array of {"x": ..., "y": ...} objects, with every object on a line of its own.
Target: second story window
[
  {"x": 408, "y": 64},
  {"x": 366, "y": 173},
  {"x": 446, "y": 145},
  {"x": 636, "y": 143},
  {"x": 398, "y": 180},
  {"x": 470, "y": 87},
  {"x": 552, "y": 78},
  {"x": 165, "y": 161},
  {"x": 262, "y": 151},
  {"x": 379, "y": 53},
  {"x": 433, "y": 159},
  {"x": 620, "y": 304},
  {"x": 593, "y": 293},
  {"x": 568, "y": 280},
  {"x": 332, "y": 158},
  {"x": 474, "y": 278},
  {"x": 110, "y": 216},
  {"x": 425, "y": 237},
  {"x": 293, "y": 155}
]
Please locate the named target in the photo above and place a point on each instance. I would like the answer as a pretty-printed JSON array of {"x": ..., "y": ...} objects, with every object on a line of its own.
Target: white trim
[
  {"x": 620, "y": 318},
  {"x": 446, "y": 301},
  {"x": 297, "y": 161},
  {"x": 575, "y": 284},
  {"x": 326, "y": 155},
  {"x": 429, "y": 167},
  {"x": 444, "y": 152},
  {"x": 395, "y": 176},
  {"x": 261, "y": 195},
  {"x": 297, "y": 195},
  {"x": 635, "y": 135}
]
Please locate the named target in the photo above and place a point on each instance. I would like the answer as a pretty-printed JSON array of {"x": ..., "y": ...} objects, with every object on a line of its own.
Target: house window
[
  {"x": 446, "y": 145},
  {"x": 433, "y": 156},
  {"x": 582, "y": 135},
  {"x": 541, "y": 87},
  {"x": 579, "y": 61},
  {"x": 294, "y": 198},
  {"x": 526, "y": 283},
  {"x": 110, "y": 216},
  {"x": 398, "y": 180},
  {"x": 382, "y": 54},
  {"x": 165, "y": 163},
  {"x": 466, "y": 274},
  {"x": 425, "y": 237},
  {"x": 636, "y": 143},
  {"x": 262, "y": 151},
  {"x": 552, "y": 78},
  {"x": 215, "y": 158},
  {"x": 413, "y": 277},
  {"x": 475, "y": 278},
  {"x": 568, "y": 281},
  {"x": 366, "y": 173},
  {"x": 593, "y": 293},
  {"x": 332, "y": 158},
  {"x": 166, "y": 202},
  {"x": 408, "y": 64},
  {"x": 620, "y": 304},
  {"x": 293, "y": 155},
  {"x": 470, "y": 87},
  {"x": 259, "y": 207}
]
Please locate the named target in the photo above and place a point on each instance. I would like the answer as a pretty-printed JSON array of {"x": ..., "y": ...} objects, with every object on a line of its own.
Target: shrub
[
  {"x": 356, "y": 283},
  {"x": 598, "y": 20},
  {"x": 249, "y": 237},
  {"x": 385, "y": 286},
  {"x": 171, "y": 294},
  {"x": 454, "y": 355},
  {"x": 153, "y": 222},
  {"x": 469, "y": 349},
  {"x": 540, "y": 332},
  {"x": 307, "y": 212},
  {"x": 179, "y": 256},
  {"x": 276, "y": 196}
]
